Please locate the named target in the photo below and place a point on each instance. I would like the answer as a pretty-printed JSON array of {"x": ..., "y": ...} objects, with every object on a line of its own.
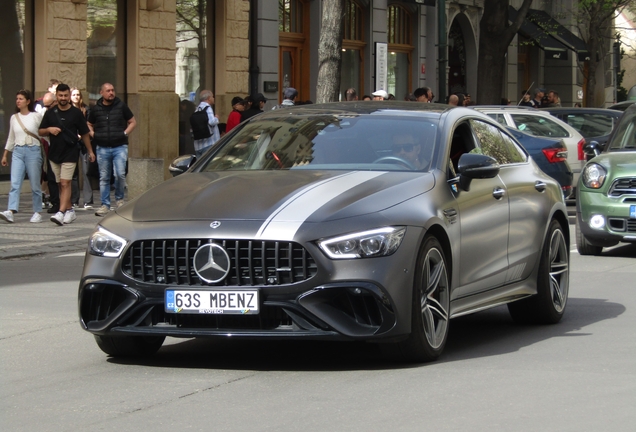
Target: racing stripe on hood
[{"x": 283, "y": 223}]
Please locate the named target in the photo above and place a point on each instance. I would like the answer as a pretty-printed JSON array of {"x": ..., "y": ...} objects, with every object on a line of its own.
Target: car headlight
[
  {"x": 366, "y": 244},
  {"x": 105, "y": 243},
  {"x": 594, "y": 176}
]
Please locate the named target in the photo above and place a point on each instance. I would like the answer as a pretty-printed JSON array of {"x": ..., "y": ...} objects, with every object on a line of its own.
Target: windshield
[
  {"x": 539, "y": 126},
  {"x": 625, "y": 136},
  {"x": 335, "y": 142}
]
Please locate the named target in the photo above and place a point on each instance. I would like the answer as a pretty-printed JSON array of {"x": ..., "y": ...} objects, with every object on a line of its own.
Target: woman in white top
[{"x": 24, "y": 142}]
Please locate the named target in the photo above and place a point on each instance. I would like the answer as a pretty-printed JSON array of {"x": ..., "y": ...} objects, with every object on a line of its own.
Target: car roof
[
  {"x": 573, "y": 110},
  {"x": 622, "y": 106},
  {"x": 367, "y": 107},
  {"x": 503, "y": 107}
]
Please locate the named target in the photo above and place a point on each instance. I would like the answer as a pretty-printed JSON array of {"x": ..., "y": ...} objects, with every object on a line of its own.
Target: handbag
[{"x": 37, "y": 139}]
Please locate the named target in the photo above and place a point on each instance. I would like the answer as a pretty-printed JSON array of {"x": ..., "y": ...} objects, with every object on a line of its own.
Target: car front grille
[
  {"x": 170, "y": 262},
  {"x": 624, "y": 186}
]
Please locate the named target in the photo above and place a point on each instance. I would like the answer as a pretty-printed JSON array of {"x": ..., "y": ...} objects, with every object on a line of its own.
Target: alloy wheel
[{"x": 434, "y": 299}]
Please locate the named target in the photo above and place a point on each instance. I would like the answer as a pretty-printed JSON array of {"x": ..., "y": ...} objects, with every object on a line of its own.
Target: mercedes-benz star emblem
[
  {"x": 211, "y": 262},
  {"x": 215, "y": 224}
]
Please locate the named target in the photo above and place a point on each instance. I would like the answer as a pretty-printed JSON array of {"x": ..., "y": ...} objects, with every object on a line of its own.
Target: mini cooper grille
[
  {"x": 252, "y": 262},
  {"x": 625, "y": 186}
]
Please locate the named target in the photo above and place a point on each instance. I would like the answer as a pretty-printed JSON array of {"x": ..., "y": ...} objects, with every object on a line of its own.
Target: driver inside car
[{"x": 408, "y": 148}]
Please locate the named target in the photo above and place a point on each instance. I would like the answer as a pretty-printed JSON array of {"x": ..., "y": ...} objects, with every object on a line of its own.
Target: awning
[
  {"x": 558, "y": 32},
  {"x": 552, "y": 47}
]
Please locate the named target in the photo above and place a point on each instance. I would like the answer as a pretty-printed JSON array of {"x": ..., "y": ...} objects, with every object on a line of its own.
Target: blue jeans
[
  {"x": 26, "y": 160},
  {"x": 109, "y": 159}
]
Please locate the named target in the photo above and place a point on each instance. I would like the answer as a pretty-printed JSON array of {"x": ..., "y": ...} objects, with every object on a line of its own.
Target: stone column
[
  {"x": 60, "y": 43},
  {"x": 232, "y": 48},
  {"x": 151, "y": 50}
]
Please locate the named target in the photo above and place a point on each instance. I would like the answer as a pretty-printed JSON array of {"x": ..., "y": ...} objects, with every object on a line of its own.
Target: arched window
[
  {"x": 293, "y": 41},
  {"x": 353, "y": 45},
  {"x": 400, "y": 39}
]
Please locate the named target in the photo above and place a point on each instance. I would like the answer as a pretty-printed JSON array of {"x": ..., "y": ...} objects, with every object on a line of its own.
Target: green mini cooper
[{"x": 606, "y": 204}]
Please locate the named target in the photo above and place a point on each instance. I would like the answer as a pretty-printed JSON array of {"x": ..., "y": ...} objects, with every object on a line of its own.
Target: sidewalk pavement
[{"x": 23, "y": 239}]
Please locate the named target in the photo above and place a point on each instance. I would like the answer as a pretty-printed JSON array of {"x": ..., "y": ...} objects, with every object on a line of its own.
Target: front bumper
[
  {"x": 344, "y": 300},
  {"x": 619, "y": 226}
]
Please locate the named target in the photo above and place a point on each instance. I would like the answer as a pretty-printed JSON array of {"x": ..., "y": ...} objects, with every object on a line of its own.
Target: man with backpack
[{"x": 204, "y": 123}]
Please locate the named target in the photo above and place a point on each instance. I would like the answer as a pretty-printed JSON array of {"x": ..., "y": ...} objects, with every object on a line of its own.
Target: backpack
[{"x": 200, "y": 124}]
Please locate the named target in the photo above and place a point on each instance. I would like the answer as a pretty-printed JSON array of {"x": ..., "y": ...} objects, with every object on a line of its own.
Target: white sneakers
[
  {"x": 7, "y": 216},
  {"x": 69, "y": 216},
  {"x": 58, "y": 218},
  {"x": 120, "y": 203}
]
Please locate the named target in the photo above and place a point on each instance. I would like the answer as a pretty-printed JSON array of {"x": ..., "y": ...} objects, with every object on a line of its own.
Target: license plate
[
  {"x": 632, "y": 212},
  {"x": 212, "y": 302}
]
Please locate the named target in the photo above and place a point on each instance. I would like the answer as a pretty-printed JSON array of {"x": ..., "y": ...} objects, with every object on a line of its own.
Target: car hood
[
  {"x": 282, "y": 196},
  {"x": 620, "y": 164}
]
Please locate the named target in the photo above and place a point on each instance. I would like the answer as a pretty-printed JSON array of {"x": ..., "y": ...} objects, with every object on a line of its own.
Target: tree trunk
[
  {"x": 495, "y": 35},
  {"x": 330, "y": 51},
  {"x": 201, "y": 32}
]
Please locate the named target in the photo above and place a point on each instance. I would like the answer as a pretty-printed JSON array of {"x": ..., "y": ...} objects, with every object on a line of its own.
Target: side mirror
[
  {"x": 181, "y": 164},
  {"x": 475, "y": 166},
  {"x": 592, "y": 149}
]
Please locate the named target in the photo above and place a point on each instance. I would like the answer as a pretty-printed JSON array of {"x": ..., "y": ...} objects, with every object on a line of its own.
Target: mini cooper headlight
[
  {"x": 105, "y": 243},
  {"x": 594, "y": 176},
  {"x": 373, "y": 243}
]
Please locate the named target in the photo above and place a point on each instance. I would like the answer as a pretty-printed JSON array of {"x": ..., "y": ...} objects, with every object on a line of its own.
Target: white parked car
[{"x": 544, "y": 124}]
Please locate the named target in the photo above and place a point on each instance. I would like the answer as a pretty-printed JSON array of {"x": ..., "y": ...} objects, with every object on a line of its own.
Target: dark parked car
[
  {"x": 595, "y": 124},
  {"x": 551, "y": 156},
  {"x": 606, "y": 204},
  {"x": 348, "y": 221}
]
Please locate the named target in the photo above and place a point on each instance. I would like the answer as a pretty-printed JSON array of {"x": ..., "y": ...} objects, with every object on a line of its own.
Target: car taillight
[
  {"x": 580, "y": 148},
  {"x": 554, "y": 155}
]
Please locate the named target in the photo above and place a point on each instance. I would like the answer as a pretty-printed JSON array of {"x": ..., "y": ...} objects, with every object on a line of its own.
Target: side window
[
  {"x": 495, "y": 144},
  {"x": 501, "y": 119},
  {"x": 539, "y": 126}
]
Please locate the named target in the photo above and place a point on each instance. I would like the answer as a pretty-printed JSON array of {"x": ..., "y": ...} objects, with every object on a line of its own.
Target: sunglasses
[{"x": 407, "y": 148}]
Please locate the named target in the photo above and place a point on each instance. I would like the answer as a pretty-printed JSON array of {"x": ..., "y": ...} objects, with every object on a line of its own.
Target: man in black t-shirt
[{"x": 64, "y": 124}]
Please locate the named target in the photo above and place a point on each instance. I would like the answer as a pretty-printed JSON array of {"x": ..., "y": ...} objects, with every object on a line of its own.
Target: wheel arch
[
  {"x": 562, "y": 218},
  {"x": 441, "y": 235}
]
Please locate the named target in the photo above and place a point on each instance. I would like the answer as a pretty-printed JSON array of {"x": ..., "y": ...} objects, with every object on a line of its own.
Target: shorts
[{"x": 63, "y": 171}]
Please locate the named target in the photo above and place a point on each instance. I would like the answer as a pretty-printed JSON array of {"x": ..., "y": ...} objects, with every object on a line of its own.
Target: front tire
[
  {"x": 583, "y": 246},
  {"x": 129, "y": 346},
  {"x": 553, "y": 283},
  {"x": 430, "y": 306}
]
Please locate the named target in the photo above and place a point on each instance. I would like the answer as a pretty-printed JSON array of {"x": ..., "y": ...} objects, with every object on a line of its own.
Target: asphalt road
[{"x": 578, "y": 375}]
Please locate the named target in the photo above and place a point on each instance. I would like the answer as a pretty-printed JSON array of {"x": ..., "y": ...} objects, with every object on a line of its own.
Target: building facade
[{"x": 160, "y": 53}]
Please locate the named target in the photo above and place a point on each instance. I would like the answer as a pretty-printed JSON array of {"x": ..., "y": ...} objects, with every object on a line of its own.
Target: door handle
[
  {"x": 498, "y": 193},
  {"x": 540, "y": 186}
]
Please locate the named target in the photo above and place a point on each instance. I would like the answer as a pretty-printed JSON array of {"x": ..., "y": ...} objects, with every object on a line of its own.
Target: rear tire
[
  {"x": 583, "y": 246},
  {"x": 553, "y": 282},
  {"x": 429, "y": 307},
  {"x": 129, "y": 346}
]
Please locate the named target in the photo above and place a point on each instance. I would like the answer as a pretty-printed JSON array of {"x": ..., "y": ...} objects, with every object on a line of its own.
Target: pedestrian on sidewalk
[
  {"x": 24, "y": 142},
  {"x": 210, "y": 128},
  {"x": 87, "y": 189},
  {"x": 63, "y": 123},
  {"x": 238, "y": 106},
  {"x": 110, "y": 122}
]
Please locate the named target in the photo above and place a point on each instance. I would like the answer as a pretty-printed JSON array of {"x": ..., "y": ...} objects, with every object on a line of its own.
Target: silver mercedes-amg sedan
[{"x": 376, "y": 221}]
